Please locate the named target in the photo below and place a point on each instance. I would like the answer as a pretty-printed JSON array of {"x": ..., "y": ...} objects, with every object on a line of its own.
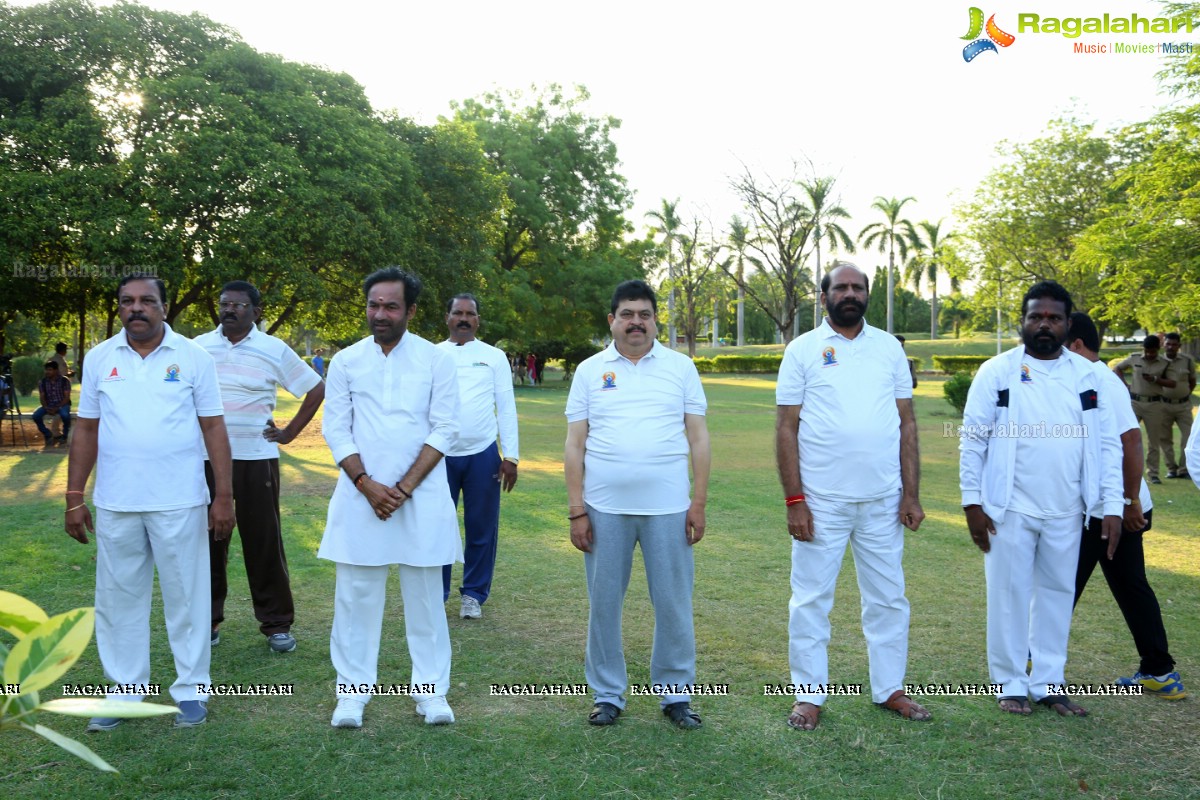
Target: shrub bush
[
  {"x": 955, "y": 390},
  {"x": 953, "y": 365},
  {"x": 27, "y": 371}
]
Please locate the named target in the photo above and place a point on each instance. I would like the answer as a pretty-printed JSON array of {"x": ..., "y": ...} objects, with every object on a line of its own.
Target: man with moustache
[
  {"x": 845, "y": 388},
  {"x": 635, "y": 411},
  {"x": 1178, "y": 382},
  {"x": 1038, "y": 449},
  {"x": 251, "y": 366},
  {"x": 474, "y": 467},
  {"x": 1125, "y": 569},
  {"x": 149, "y": 408},
  {"x": 391, "y": 413}
]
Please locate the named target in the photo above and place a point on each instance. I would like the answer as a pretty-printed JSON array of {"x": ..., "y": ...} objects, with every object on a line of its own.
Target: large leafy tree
[
  {"x": 696, "y": 278},
  {"x": 667, "y": 222},
  {"x": 893, "y": 233},
  {"x": 739, "y": 244},
  {"x": 560, "y": 245}
]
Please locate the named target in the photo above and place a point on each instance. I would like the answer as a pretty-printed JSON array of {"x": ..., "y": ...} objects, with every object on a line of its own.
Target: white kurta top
[{"x": 385, "y": 408}]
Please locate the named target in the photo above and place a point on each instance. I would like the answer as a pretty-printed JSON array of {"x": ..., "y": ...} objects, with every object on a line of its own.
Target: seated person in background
[{"x": 54, "y": 390}]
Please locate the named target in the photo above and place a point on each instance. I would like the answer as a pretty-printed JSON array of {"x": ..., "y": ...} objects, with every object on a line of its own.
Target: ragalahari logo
[{"x": 994, "y": 37}]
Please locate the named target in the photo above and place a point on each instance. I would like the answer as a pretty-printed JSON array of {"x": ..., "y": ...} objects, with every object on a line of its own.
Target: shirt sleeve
[
  {"x": 294, "y": 375},
  {"x": 1112, "y": 484},
  {"x": 206, "y": 391},
  {"x": 694, "y": 401},
  {"x": 979, "y": 416},
  {"x": 89, "y": 395},
  {"x": 337, "y": 424},
  {"x": 506, "y": 407},
  {"x": 577, "y": 400},
  {"x": 443, "y": 402},
  {"x": 789, "y": 386},
  {"x": 902, "y": 377}
]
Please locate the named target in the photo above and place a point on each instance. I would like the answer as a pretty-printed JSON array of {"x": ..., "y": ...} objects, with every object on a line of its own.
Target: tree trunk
[
  {"x": 741, "y": 312},
  {"x": 890, "y": 287},
  {"x": 933, "y": 320}
]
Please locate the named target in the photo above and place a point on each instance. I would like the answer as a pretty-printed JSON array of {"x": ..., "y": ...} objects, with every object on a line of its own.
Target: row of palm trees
[{"x": 926, "y": 241}]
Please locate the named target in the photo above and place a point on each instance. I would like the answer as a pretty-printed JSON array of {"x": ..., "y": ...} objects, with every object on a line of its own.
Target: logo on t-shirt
[
  {"x": 172, "y": 374},
  {"x": 113, "y": 376},
  {"x": 1025, "y": 376},
  {"x": 608, "y": 381},
  {"x": 829, "y": 357}
]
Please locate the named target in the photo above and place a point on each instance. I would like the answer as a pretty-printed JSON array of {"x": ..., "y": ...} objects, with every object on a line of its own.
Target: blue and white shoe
[
  {"x": 191, "y": 713},
  {"x": 1168, "y": 687}
]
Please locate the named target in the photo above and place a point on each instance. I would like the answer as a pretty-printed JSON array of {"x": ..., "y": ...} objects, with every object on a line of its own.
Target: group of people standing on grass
[{"x": 1050, "y": 474}]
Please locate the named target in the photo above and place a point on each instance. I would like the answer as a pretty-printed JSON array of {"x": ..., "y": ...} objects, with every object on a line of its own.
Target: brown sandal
[
  {"x": 1015, "y": 704},
  {"x": 804, "y": 716},
  {"x": 903, "y": 705}
]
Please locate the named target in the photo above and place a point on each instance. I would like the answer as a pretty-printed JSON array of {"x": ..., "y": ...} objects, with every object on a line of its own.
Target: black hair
[
  {"x": 412, "y": 284},
  {"x": 463, "y": 296},
  {"x": 1083, "y": 329},
  {"x": 827, "y": 280},
  {"x": 1174, "y": 337},
  {"x": 1151, "y": 342},
  {"x": 144, "y": 276},
  {"x": 634, "y": 290},
  {"x": 248, "y": 288},
  {"x": 1051, "y": 290},
  {"x": 50, "y": 364},
  {"x": 61, "y": 347}
]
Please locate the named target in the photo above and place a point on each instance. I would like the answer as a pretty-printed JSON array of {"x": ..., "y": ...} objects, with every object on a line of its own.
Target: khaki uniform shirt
[
  {"x": 1142, "y": 368},
  {"x": 1179, "y": 370}
]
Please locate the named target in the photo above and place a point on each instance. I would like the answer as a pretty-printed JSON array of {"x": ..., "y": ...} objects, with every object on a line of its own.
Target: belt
[
  {"x": 1147, "y": 398},
  {"x": 1177, "y": 401}
]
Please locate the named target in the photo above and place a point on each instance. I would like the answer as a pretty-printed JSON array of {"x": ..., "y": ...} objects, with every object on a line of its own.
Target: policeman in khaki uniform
[
  {"x": 1147, "y": 395},
  {"x": 1178, "y": 383}
]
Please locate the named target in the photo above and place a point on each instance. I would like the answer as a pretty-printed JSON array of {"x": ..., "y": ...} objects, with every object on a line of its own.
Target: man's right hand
[
  {"x": 581, "y": 533},
  {"x": 383, "y": 499},
  {"x": 79, "y": 524},
  {"x": 980, "y": 526},
  {"x": 800, "y": 522}
]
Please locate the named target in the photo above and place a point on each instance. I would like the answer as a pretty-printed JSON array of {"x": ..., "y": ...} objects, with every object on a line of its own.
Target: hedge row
[
  {"x": 954, "y": 364},
  {"x": 762, "y": 364}
]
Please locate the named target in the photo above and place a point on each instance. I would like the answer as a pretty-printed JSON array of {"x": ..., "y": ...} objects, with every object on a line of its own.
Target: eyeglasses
[{"x": 225, "y": 305}]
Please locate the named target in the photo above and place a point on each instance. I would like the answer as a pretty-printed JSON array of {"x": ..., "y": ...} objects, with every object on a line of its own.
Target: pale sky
[{"x": 876, "y": 93}]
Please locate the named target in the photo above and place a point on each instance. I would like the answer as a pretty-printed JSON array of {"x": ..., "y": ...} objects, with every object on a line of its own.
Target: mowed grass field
[{"x": 534, "y": 629}]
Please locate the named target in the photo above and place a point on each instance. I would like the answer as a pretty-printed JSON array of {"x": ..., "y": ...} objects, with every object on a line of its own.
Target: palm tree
[
  {"x": 931, "y": 251},
  {"x": 739, "y": 240},
  {"x": 824, "y": 224},
  {"x": 887, "y": 238},
  {"x": 668, "y": 223}
]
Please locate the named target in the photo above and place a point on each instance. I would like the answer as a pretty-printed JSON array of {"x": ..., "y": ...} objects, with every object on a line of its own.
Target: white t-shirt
[
  {"x": 849, "y": 433},
  {"x": 250, "y": 372},
  {"x": 636, "y": 461},
  {"x": 486, "y": 405},
  {"x": 1113, "y": 387},
  {"x": 1049, "y": 458},
  {"x": 150, "y": 454}
]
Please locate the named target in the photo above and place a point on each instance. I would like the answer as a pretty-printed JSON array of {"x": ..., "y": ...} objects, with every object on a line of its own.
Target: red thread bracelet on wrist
[{"x": 794, "y": 499}]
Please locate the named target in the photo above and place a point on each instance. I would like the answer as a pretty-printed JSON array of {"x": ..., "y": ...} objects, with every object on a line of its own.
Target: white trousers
[
  {"x": 129, "y": 545},
  {"x": 1030, "y": 573},
  {"x": 358, "y": 606},
  {"x": 877, "y": 541}
]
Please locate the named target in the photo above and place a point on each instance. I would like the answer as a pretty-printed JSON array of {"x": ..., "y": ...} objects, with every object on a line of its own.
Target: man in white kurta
[
  {"x": 391, "y": 409},
  {"x": 1038, "y": 449}
]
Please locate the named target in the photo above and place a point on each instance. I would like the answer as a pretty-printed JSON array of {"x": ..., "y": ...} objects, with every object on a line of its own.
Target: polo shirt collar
[
  {"x": 611, "y": 353},
  {"x": 170, "y": 339},
  {"x": 827, "y": 331},
  {"x": 253, "y": 331}
]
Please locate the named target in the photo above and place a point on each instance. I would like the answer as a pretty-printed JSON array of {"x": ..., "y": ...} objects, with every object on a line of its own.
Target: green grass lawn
[{"x": 534, "y": 629}]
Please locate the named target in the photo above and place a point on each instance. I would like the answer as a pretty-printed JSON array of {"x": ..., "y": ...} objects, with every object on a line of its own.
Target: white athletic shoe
[
  {"x": 436, "y": 711},
  {"x": 470, "y": 608},
  {"x": 348, "y": 714}
]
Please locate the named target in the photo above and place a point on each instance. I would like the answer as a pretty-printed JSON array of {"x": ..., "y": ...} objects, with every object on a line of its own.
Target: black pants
[
  {"x": 1126, "y": 576},
  {"x": 256, "y": 508}
]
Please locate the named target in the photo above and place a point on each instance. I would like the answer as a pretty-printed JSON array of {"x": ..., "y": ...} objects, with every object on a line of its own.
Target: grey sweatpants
[{"x": 669, "y": 574}]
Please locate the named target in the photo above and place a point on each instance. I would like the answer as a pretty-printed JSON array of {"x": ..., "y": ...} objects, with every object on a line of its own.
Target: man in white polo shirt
[
  {"x": 251, "y": 365},
  {"x": 846, "y": 447},
  {"x": 474, "y": 467},
  {"x": 1038, "y": 450},
  {"x": 635, "y": 411},
  {"x": 149, "y": 407}
]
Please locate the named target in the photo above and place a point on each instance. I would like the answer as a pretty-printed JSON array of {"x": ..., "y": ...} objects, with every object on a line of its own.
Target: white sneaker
[
  {"x": 470, "y": 608},
  {"x": 348, "y": 714},
  {"x": 436, "y": 711}
]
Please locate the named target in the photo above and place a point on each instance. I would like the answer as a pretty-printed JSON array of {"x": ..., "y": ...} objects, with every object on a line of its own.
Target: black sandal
[
  {"x": 1024, "y": 710},
  {"x": 1063, "y": 706},
  {"x": 681, "y": 715},
  {"x": 603, "y": 714}
]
